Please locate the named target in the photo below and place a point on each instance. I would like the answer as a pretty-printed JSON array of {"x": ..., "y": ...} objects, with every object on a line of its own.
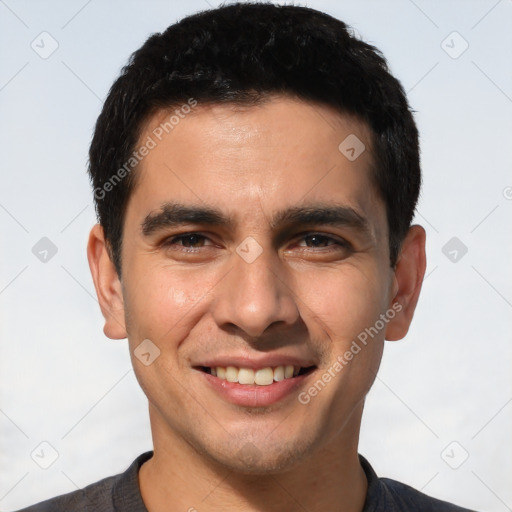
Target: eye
[
  {"x": 187, "y": 241},
  {"x": 319, "y": 240}
]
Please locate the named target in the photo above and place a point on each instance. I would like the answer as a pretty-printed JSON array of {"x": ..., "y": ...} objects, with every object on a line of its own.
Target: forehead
[{"x": 282, "y": 152}]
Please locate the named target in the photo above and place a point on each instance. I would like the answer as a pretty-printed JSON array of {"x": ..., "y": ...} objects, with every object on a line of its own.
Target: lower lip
[{"x": 248, "y": 395}]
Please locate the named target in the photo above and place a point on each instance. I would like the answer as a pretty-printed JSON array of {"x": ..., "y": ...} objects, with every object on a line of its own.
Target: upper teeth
[{"x": 262, "y": 377}]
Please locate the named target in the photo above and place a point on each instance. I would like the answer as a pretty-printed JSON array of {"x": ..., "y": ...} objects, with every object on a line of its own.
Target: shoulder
[
  {"x": 386, "y": 495},
  {"x": 97, "y": 496},
  {"x": 405, "y": 497},
  {"x": 117, "y": 493}
]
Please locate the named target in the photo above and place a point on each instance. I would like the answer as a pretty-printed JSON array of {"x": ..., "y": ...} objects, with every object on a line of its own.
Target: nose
[{"x": 254, "y": 295}]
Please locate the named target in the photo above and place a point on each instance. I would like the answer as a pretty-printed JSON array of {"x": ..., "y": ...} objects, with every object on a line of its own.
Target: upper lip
[{"x": 268, "y": 360}]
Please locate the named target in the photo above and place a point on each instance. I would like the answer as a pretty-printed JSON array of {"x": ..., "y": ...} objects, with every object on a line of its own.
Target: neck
[{"x": 177, "y": 478}]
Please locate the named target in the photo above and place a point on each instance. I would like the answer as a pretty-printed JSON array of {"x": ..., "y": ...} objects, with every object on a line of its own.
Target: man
[{"x": 255, "y": 171}]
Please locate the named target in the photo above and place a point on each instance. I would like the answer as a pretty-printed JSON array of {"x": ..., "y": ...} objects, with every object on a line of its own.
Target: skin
[{"x": 305, "y": 297}]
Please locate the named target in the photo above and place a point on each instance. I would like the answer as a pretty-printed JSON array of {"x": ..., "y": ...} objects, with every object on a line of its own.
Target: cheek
[
  {"x": 164, "y": 300},
  {"x": 344, "y": 301}
]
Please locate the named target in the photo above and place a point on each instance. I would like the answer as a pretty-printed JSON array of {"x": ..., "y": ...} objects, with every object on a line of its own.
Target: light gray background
[{"x": 63, "y": 382}]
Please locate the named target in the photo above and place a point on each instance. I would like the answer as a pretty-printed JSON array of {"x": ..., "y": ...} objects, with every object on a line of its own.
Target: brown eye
[
  {"x": 192, "y": 240},
  {"x": 320, "y": 240},
  {"x": 187, "y": 241}
]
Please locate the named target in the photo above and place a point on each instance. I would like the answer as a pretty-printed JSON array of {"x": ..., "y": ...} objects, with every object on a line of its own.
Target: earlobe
[
  {"x": 107, "y": 284},
  {"x": 408, "y": 278}
]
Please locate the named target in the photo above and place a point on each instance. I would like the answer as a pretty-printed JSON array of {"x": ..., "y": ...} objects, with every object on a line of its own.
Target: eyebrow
[{"x": 172, "y": 214}]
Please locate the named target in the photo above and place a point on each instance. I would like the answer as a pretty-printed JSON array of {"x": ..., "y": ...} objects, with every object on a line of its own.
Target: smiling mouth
[{"x": 259, "y": 377}]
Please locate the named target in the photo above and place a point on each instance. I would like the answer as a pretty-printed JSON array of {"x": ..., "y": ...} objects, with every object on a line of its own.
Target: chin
[{"x": 261, "y": 457}]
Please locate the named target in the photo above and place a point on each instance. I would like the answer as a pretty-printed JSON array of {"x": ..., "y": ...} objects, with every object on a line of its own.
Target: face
[{"x": 254, "y": 250}]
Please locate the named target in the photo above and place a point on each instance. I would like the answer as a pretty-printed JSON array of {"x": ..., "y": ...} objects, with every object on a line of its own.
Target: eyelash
[{"x": 172, "y": 240}]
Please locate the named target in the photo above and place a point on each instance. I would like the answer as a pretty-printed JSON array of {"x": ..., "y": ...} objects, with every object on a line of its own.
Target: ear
[
  {"x": 409, "y": 273},
  {"x": 107, "y": 284}
]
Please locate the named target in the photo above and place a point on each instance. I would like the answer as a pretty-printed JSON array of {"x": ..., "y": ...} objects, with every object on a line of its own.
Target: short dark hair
[{"x": 242, "y": 53}]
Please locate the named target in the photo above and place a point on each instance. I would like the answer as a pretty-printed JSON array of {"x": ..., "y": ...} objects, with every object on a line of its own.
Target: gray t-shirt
[{"x": 121, "y": 493}]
